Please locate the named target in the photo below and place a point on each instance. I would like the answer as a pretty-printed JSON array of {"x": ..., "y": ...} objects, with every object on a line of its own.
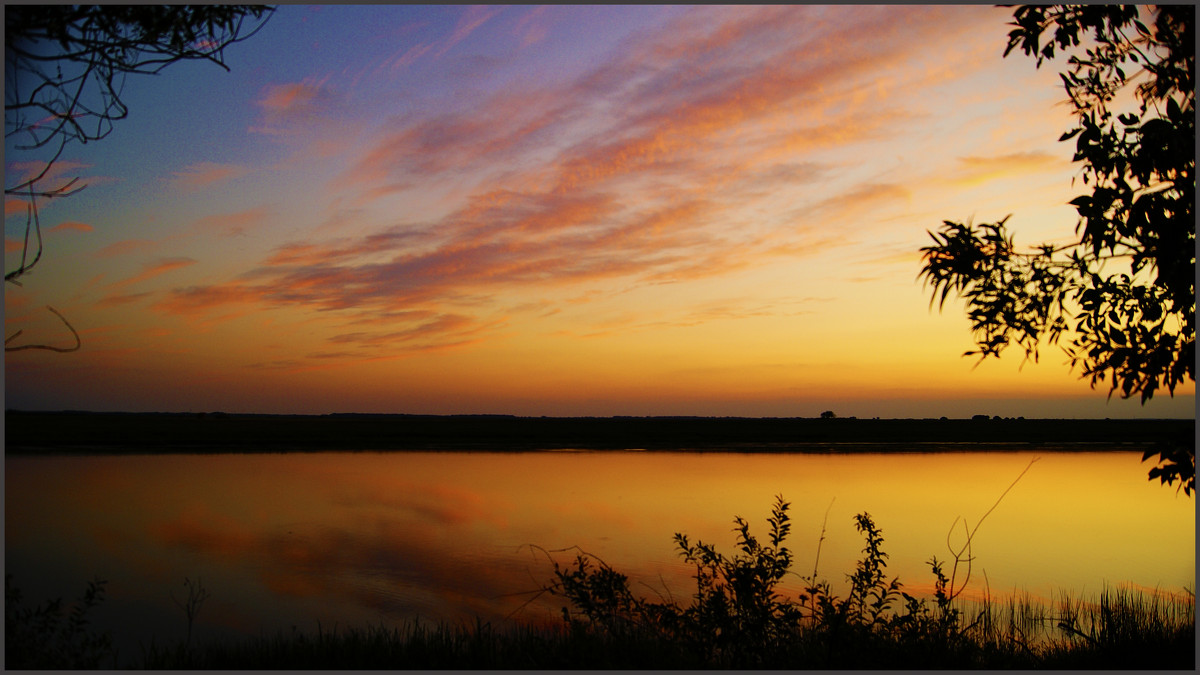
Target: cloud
[
  {"x": 56, "y": 174},
  {"x": 859, "y": 199},
  {"x": 125, "y": 299},
  {"x": 440, "y": 332},
  {"x": 295, "y": 108},
  {"x": 281, "y": 98},
  {"x": 14, "y": 206},
  {"x": 207, "y": 173},
  {"x": 152, "y": 270},
  {"x": 639, "y": 171},
  {"x": 973, "y": 170},
  {"x": 474, "y": 17},
  {"x": 197, "y": 299},
  {"x": 71, "y": 225},
  {"x": 125, "y": 247},
  {"x": 530, "y": 28},
  {"x": 732, "y": 82},
  {"x": 906, "y": 256},
  {"x": 501, "y": 132},
  {"x": 232, "y": 224},
  {"x": 407, "y": 57}
]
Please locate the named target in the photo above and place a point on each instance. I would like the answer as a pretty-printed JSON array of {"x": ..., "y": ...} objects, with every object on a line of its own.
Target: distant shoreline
[{"x": 38, "y": 433}]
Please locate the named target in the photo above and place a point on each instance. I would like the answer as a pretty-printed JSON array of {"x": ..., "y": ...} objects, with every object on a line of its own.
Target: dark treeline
[{"x": 39, "y": 432}]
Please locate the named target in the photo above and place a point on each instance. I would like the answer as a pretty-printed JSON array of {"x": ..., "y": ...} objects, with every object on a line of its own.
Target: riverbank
[{"x": 29, "y": 432}]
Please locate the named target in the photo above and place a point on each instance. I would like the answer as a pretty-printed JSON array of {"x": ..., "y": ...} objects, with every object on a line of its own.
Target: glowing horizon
[{"x": 554, "y": 210}]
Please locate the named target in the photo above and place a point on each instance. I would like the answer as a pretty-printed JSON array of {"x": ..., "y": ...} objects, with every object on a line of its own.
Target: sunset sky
[{"x": 554, "y": 210}]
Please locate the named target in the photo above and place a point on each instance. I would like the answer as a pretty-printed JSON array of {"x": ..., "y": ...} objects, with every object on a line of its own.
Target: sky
[{"x": 554, "y": 210}]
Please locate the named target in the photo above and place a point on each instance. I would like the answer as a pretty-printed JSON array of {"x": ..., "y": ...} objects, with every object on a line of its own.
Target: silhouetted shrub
[
  {"x": 738, "y": 617},
  {"x": 49, "y": 636}
]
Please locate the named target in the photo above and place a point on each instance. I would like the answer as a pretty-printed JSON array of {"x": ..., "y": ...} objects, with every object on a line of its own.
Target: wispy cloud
[
  {"x": 474, "y": 17},
  {"x": 122, "y": 299},
  {"x": 71, "y": 226},
  {"x": 232, "y": 224},
  {"x": 125, "y": 247},
  {"x": 531, "y": 28},
  {"x": 860, "y": 199},
  {"x": 978, "y": 170},
  {"x": 58, "y": 174},
  {"x": 638, "y": 170},
  {"x": 207, "y": 173},
  {"x": 197, "y": 299},
  {"x": 407, "y": 57},
  {"x": 152, "y": 270},
  {"x": 14, "y": 206},
  {"x": 283, "y": 98},
  {"x": 294, "y": 108}
]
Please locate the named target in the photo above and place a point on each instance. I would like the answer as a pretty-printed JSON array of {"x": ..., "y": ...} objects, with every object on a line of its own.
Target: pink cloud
[
  {"x": 295, "y": 107},
  {"x": 407, "y": 57},
  {"x": 439, "y": 332},
  {"x": 56, "y": 175},
  {"x": 977, "y": 170},
  {"x": 289, "y": 96},
  {"x": 859, "y": 198},
  {"x": 530, "y": 28},
  {"x": 152, "y": 270},
  {"x": 498, "y": 133},
  {"x": 473, "y": 18},
  {"x": 15, "y": 206},
  {"x": 71, "y": 225},
  {"x": 206, "y": 173},
  {"x": 116, "y": 300},
  {"x": 671, "y": 117},
  {"x": 643, "y": 194},
  {"x": 125, "y": 247},
  {"x": 232, "y": 224}
]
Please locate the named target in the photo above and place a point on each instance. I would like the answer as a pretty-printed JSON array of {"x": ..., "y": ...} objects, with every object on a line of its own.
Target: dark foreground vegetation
[
  {"x": 737, "y": 618},
  {"x": 59, "y": 432}
]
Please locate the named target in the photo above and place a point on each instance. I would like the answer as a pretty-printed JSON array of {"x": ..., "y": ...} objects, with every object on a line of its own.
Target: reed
[
  {"x": 417, "y": 645},
  {"x": 1125, "y": 628}
]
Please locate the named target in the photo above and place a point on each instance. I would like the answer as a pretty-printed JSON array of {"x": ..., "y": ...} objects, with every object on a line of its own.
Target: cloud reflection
[{"x": 401, "y": 552}]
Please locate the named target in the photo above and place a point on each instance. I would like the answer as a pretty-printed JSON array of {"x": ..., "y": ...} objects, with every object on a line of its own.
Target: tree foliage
[
  {"x": 64, "y": 74},
  {"x": 1123, "y": 294},
  {"x": 65, "y": 65}
]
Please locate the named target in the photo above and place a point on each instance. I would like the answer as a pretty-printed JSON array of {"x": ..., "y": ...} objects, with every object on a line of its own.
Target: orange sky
[{"x": 554, "y": 210}]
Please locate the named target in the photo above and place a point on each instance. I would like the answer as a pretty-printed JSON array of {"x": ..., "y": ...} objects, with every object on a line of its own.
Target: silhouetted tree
[
  {"x": 64, "y": 72},
  {"x": 1125, "y": 291},
  {"x": 828, "y": 415}
]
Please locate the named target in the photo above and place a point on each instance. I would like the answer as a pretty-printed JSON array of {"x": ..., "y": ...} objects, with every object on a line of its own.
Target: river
[{"x": 356, "y": 538}]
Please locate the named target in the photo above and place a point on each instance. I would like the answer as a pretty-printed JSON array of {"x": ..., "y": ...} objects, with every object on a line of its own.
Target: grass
[
  {"x": 1122, "y": 629},
  {"x": 737, "y": 618},
  {"x": 416, "y": 645}
]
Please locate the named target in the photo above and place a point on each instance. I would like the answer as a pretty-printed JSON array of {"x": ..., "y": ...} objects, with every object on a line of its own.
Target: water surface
[{"x": 352, "y": 538}]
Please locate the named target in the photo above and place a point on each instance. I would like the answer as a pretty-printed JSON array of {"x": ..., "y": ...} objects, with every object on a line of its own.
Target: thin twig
[
  {"x": 824, "y": 521},
  {"x": 52, "y": 348},
  {"x": 971, "y": 534}
]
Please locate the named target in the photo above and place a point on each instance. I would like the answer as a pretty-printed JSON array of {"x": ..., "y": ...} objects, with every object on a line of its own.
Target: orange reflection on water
[{"x": 290, "y": 539}]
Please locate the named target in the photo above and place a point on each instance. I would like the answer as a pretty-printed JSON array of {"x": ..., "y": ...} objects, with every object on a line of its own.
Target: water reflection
[{"x": 356, "y": 538}]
